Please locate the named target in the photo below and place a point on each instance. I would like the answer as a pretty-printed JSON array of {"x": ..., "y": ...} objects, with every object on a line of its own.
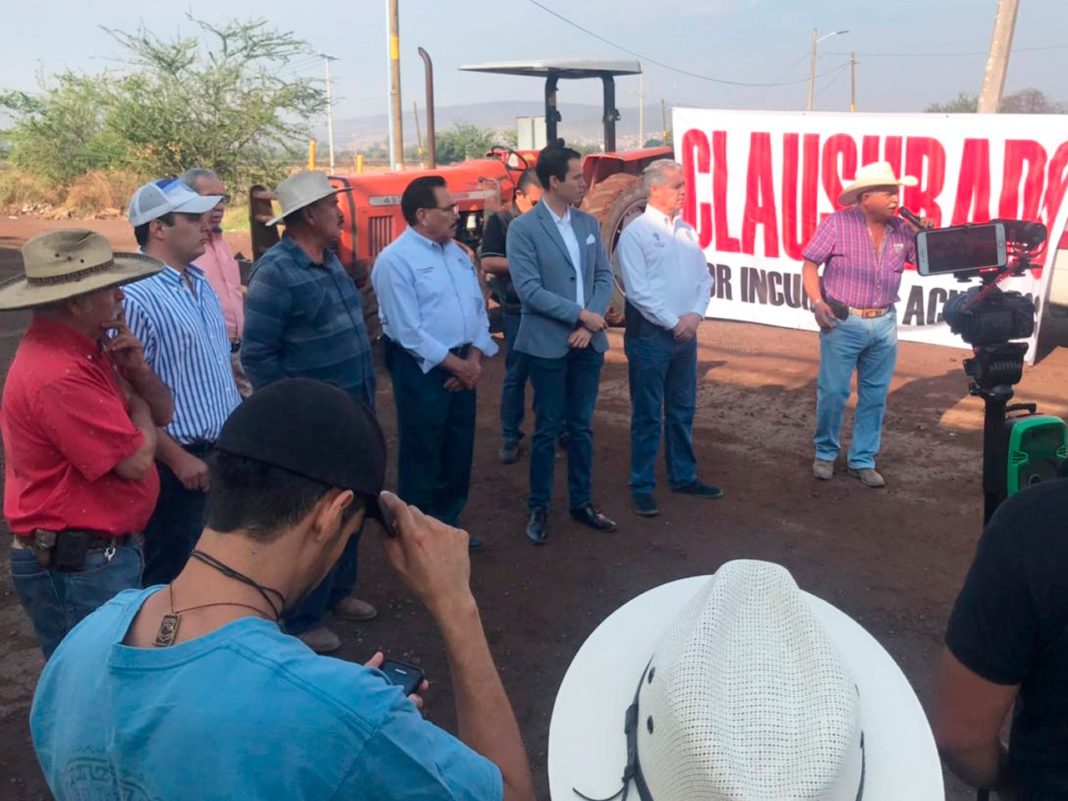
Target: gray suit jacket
[{"x": 544, "y": 279}]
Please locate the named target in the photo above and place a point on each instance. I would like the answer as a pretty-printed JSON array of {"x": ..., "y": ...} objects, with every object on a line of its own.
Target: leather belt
[
  {"x": 867, "y": 314},
  {"x": 23, "y": 543}
]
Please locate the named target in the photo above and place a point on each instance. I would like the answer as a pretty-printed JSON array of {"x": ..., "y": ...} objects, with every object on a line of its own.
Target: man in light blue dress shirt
[{"x": 436, "y": 333}]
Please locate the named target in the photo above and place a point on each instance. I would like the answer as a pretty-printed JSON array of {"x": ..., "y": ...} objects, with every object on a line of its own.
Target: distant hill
[{"x": 581, "y": 122}]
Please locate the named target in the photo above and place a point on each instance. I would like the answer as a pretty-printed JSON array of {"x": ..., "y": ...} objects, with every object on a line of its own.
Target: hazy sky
[{"x": 741, "y": 40}]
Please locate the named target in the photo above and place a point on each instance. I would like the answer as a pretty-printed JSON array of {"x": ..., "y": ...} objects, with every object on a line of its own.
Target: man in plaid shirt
[
  {"x": 863, "y": 249},
  {"x": 304, "y": 319}
]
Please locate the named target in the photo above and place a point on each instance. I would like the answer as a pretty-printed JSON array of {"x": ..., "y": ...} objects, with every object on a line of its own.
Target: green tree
[
  {"x": 217, "y": 99},
  {"x": 464, "y": 141},
  {"x": 1025, "y": 101}
]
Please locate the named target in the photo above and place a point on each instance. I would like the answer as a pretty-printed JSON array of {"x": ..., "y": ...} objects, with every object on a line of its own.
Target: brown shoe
[
  {"x": 321, "y": 640},
  {"x": 352, "y": 608},
  {"x": 823, "y": 469},
  {"x": 868, "y": 476}
]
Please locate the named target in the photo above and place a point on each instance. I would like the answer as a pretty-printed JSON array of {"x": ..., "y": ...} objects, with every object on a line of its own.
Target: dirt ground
[{"x": 893, "y": 559}]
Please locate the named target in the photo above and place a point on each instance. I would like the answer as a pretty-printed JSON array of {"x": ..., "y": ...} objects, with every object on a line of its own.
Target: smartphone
[
  {"x": 961, "y": 248},
  {"x": 407, "y": 677}
]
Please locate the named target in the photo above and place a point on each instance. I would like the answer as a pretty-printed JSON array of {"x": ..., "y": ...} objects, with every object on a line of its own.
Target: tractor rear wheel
[{"x": 615, "y": 201}]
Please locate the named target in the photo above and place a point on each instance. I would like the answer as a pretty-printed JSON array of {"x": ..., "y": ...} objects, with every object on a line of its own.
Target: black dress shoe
[
  {"x": 589, "y": 516},
  {"x": 538, "y": 526},
  {"x": 700, "y": 489}
]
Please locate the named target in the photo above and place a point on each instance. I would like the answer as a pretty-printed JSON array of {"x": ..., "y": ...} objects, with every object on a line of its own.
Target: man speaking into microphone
[{"x": 862, "y": 249}]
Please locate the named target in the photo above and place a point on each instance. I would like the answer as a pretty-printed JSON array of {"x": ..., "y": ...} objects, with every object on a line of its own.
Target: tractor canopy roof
[{"x": 561, "y": 68}]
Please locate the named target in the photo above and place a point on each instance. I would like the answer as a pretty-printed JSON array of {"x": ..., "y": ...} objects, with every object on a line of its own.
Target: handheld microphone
[{"x": 912, "y": 218}]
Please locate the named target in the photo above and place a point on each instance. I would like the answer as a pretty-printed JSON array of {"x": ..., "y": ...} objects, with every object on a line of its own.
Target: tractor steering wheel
[{"x": 508, "y": 153}]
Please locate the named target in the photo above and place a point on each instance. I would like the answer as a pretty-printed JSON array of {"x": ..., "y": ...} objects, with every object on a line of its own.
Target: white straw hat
[
  {"x": 300, "y": 190},
  {"x": 59, "y": 265},
  {"x": 739, "y": 686},
  {"x": 878, "y": 173}
]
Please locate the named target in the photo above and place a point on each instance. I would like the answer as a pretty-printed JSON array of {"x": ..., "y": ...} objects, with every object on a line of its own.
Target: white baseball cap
[
  {"x": 738, "y": 686},
  {"x": 161, "y": 197}
]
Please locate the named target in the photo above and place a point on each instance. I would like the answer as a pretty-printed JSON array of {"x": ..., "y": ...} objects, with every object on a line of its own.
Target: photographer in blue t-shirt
[{"x": 191, "y": 690}]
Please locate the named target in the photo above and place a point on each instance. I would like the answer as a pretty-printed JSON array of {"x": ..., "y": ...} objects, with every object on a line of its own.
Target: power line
[
  {"x": 661, "y": 64},
  {"x": 950, "y": 54},
  {"x": 837, "y": 73}
]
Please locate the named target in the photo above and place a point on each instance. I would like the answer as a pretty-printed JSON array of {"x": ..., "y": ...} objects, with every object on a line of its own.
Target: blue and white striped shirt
[{"x": 184, "y": 334}]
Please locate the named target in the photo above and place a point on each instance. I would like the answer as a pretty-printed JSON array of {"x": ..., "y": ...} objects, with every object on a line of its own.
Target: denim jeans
[
  {"x": 312, "y": 608},
  {"x": 436, "y": 437},
  {"x": 663, "y": 386},
  {"x": 57, "y": 600},
  {"x": 513, "y": 392},
  {"x": 869, "y": 347},
  {"x": 175, "y": 525},
  {"x": 565, "y": 394}
]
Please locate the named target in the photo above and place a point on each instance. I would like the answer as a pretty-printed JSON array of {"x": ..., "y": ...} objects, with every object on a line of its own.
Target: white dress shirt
[
  {"x": 567, "y": 232},
  {"x": 664, "y": 271},
  {"x": 429, "y": 299}
]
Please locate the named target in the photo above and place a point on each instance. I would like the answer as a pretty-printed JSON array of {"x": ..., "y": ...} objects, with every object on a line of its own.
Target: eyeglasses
[
  {"x": 223, "y": 200},
  {"x": 451, "y": 208}
]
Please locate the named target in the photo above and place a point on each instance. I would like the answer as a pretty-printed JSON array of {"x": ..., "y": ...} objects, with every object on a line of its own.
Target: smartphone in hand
[{"x": 407, "y": 677}]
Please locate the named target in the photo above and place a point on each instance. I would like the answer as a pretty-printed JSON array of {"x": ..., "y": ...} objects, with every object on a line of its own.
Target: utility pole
[
  {"x": 641, "y": 109},
  {"x": 816, "y": 39},
  {"x": 852, "y": 81},
  {"x": 396, "y": 129},
  {"x": 663, "y": 120},
  {"x": 997, "y": 63},
  {"x": 418, "y": 133},
  {"x": 329, "y": 109}
]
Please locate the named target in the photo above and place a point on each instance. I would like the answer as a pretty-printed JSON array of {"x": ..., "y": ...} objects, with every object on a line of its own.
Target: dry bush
[
  {"x": 101, "y": 194},
  {"x": 19, "y": 190}
]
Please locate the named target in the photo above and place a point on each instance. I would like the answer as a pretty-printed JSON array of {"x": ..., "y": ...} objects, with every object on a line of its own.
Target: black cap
[{"x": 315, "y": 430}]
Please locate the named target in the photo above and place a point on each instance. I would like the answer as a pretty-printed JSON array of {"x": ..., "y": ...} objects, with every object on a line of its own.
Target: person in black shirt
[
  {"x": 495, "y": 262},
  {"x": 1007, "y": 642}
]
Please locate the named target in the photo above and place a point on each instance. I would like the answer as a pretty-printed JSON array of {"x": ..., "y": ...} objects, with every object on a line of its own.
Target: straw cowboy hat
[
  {"x": 300, "y": 190},
  {"x": 738, "y": 687},
  {"x": 60, "y": 265},
  {"x": 878, "y": 173}
]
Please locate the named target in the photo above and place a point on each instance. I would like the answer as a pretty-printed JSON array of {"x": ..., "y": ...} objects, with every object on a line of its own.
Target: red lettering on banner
[
  {"x": 973, "y": 184},
  {"x": 892, "y": 150},
  {"x": 869, "y": 149},
  {"x": 921, "y": 151},
  {"x": 1056, "y": 188},
  {"x": 794, "y": 237},
  {"x": 696, "y": 158},
  {"x": 1018, "y": 153},
  {"x": 724, "y": 241},
  {"x": 839, "y": 146},
  {"x": 760, "y": 198}
]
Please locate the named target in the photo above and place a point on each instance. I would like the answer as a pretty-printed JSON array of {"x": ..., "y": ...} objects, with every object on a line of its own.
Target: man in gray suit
[{"x": 564, "y": 281}]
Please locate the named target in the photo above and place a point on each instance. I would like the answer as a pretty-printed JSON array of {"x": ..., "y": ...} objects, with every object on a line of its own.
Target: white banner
[{"x": 759, "y": 182}]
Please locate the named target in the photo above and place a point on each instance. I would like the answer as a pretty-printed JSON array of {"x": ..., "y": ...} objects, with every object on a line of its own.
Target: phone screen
[{"x": 950, "y": 250}]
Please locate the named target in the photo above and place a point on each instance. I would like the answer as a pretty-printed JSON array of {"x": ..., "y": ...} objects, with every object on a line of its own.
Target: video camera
[
  {"x": 986, "y": 317},
  {"x": 1017, "y": 451}
]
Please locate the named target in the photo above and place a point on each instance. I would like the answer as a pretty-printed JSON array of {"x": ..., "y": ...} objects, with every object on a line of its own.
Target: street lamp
[{"x": 816, "y": 39}]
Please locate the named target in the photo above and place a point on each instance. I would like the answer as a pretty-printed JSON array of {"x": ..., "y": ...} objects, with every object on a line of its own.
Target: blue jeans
[
  {"x": 513, "y": 392},
  {"x": 663, "y": 386},
  {"x": 312, "y": 608},
  {"x": 565, "y": 394},
  {"x": 57, "y": 600},
  {"x": 869, "y": 347}
]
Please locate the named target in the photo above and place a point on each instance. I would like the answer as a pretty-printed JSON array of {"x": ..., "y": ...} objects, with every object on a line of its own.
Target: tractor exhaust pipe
[{"x": 431, "y": 140}]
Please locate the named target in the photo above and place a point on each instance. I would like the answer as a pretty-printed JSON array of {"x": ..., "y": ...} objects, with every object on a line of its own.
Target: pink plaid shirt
[
  {"x": 854, "y": 273},
  {"x": 221, "y": 270}
]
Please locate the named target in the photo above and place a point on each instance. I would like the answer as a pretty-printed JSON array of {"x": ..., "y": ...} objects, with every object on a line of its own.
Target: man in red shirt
[{"x": 78, "y": 415}]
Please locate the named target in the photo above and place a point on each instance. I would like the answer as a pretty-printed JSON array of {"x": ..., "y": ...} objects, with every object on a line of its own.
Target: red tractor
[{"x": 372, "y": 214}]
